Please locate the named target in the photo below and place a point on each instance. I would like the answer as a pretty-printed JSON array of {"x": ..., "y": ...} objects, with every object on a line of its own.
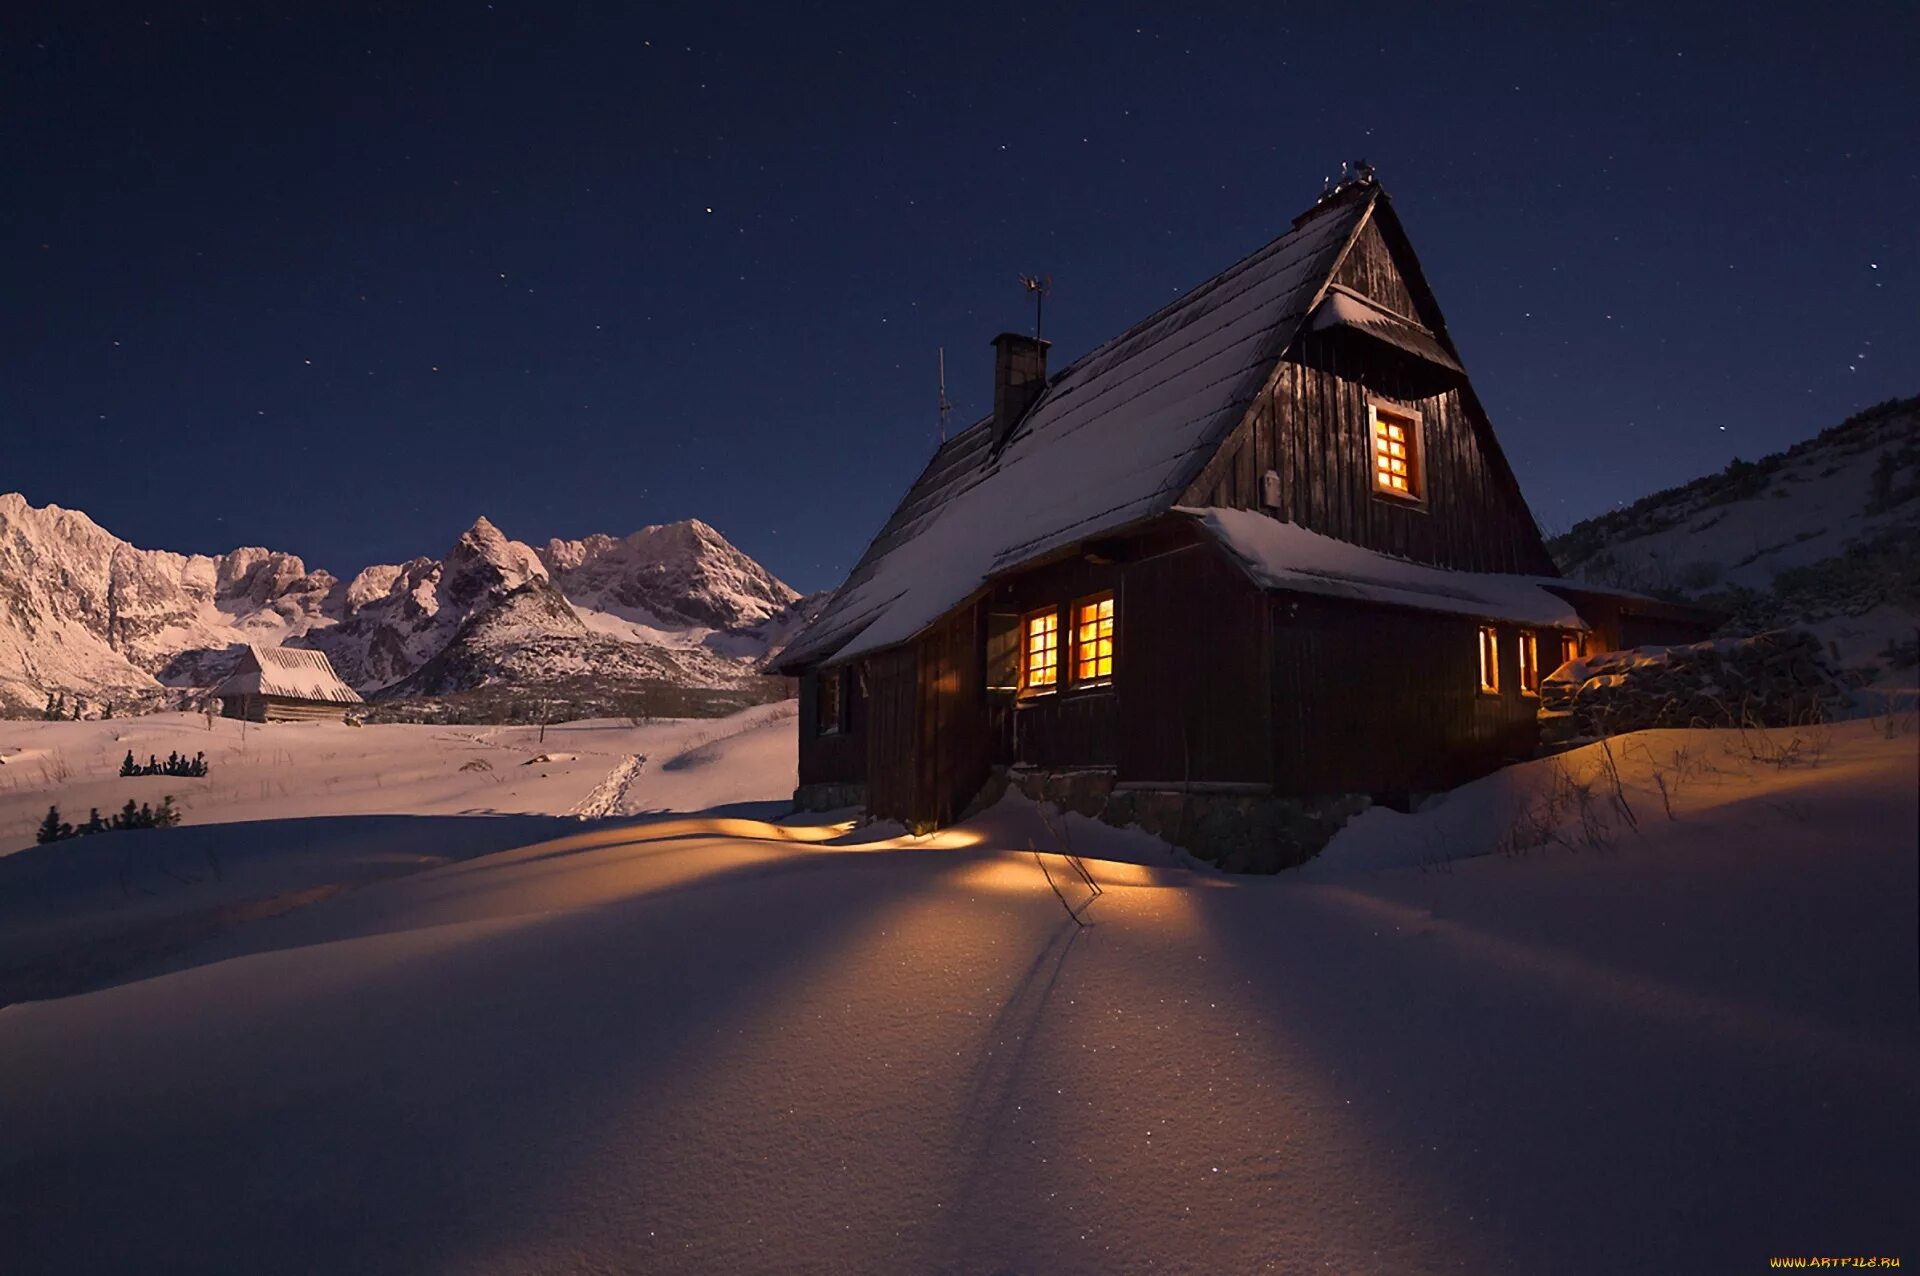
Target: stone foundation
[
  {"x": 829, "y": 797},
  {"x": 1241, "y": 828}
]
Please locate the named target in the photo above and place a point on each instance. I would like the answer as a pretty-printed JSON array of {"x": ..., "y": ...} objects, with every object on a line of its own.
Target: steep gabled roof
[
  {"x": 292, "y": 672},
  {"x": 1112, "y": 442}
]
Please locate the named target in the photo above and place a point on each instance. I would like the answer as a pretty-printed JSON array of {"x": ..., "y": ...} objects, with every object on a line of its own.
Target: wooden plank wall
[
  {"x": 1194, "y": 679},
  {"x": 892, "y": 698},
  {"x": 833, "y": 759},
  {"x": 1370, "y": 271},
  {"x": 1377, "y": 700},
  {"x": 1310, "y": 427},
  {"x": 951, "y": 750}
]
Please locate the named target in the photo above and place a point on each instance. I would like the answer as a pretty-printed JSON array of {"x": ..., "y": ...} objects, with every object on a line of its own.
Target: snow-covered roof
[
  {"x": 1114, "y": 440},
  {"x": 1344, "y": 308},
  {"x": 1286, "y": 556},
  {"x": 293, "y": 672}
]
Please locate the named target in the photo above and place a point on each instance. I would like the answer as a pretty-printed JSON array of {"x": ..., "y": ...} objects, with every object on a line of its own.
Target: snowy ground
[{"x": 1625, "y": 1040}]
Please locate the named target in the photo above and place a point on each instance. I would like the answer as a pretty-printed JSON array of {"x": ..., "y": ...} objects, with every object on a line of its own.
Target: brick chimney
[{"x": 1019, "y": 375}]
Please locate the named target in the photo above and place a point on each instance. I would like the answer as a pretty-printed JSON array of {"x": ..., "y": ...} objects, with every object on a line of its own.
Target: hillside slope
[{"x": 1825, "y": 534}]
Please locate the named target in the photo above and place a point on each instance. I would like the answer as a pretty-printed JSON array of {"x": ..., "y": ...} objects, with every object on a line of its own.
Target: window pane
[
  {"x": 1093, "y": 640},
  {"x": 1041, "y": 668}
]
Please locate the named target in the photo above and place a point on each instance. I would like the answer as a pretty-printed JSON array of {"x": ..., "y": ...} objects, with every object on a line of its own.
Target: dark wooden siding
[
  {"x": 1310, "y": 428},
  {"x": 1369, "y": 270},
  {"x": 951, "y": 750},
  {"x": 839, "y": 758},
  {"x": 1193, "y": 703},
  {"x": 891, "y": 681},
  {"x": 1377, "y": 700}
]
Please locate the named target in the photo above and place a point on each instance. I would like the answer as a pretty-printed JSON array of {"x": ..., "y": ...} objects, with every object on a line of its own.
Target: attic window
[
  {"x": 1093, "y": 640},
  {"x": 1396, "y": 451},
  {"x": 1529, "y": 664},
  {"x": 1040, "y": 652},
  {"x": 1489, "y": 660},
  {"x": 830, "y": 706}
]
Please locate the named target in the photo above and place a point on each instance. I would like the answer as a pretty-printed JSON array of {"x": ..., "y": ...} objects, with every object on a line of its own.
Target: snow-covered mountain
[
  {"x": 89, "y": 618},
  {"x": 1825, "y": 534}
]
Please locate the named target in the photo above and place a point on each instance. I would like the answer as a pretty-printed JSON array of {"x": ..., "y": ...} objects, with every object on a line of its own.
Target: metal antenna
[
  {"x": 946, "y": 404},
  {"x": 1039, "y": 286}
]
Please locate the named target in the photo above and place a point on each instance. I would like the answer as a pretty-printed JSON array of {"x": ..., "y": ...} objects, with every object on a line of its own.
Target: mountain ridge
[{"x": 89, "y": 618}]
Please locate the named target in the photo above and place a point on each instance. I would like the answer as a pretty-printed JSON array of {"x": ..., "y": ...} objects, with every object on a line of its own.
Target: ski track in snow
[{"x": 610, "y": 793}]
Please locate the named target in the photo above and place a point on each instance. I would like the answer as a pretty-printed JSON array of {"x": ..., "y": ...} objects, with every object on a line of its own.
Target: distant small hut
[{"x": 285, "y": 684}]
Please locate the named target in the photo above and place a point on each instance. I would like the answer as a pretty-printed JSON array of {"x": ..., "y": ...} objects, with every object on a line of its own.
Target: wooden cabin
[
  {"x": 285, "y": 684},
  {"x": 1256, "y": 560}
]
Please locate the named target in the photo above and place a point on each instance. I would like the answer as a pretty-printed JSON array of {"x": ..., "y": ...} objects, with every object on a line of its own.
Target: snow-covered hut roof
[
  {"x": 292, "y": 672},
  {"x": 1287, "y": 556},
  {"x": 1113, "y": 441}
]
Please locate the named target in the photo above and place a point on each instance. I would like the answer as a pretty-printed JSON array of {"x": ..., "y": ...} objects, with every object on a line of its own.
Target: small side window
[
  {"x": 1093, "y": 641},
  {"x": 1489, "y": 660},
  {"x": 1040, "y": 651},
  {"x": 830, "y": 704},
  {"x": 1529, "y": 664}
]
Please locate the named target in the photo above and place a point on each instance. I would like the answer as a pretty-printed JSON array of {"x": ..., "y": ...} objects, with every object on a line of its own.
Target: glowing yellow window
[
  {"x": 1529, "y": 664},
  {"x": 1572, "y": 647},
  {"x": 1093, "y": 640},
  {"x": 1489, "y": 660},
  {"x": 1396, "y": 452},
  {"x": 1040, "y": 657}
]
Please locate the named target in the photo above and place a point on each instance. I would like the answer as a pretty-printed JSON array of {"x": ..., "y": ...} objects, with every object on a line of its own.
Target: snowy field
[{"x": 425, "y": 1019}]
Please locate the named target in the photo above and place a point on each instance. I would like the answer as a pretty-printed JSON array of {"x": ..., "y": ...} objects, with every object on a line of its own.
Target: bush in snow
[{"x": 1774, "y": 679}]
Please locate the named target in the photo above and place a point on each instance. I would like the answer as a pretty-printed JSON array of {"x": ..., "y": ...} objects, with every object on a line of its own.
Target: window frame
[
  {"x": 1529, "y": 663},
  {"x": 1028, "y": 688},
  {"x": 1488, "y": 639},
  {"x": 1413, "y": 429},
  {"x": 1072, "y": 648},
  {"x": 825, "y": 724}
]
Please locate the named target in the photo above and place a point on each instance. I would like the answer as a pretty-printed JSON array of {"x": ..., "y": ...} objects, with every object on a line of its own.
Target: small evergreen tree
[
  {"x": 168, "y": 815},
  {"x": 94, "y": 823},
  {"x": 106, "y": 710},
  {"x": 51, "y": 829},
  {"x": 129, "y": 816},
  {"x": 127, "y": 766}
]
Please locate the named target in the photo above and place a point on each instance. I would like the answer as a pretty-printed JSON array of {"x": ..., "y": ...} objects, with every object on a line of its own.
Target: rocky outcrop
[{"x": 1773, "y": 679}]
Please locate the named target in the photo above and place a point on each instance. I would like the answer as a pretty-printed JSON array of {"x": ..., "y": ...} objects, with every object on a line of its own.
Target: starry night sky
[{"x": 336, "y": 280}]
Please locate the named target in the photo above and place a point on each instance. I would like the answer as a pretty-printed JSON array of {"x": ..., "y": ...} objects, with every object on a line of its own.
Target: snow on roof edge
[{"x": 1286, "y": 556}]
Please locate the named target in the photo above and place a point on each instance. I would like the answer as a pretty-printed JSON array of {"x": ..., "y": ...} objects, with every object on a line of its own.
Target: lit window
[
  {"x": 1396, "y": 451},
  {"x": 829, "y": 708},
  {"x": 1093, "y": 640},
  {"x": 1040, "y": 658},
  {"x": 1572, "y": 647},
  {"x": 1489, "y": 660},
  {"x": 1529, "y": 664}
]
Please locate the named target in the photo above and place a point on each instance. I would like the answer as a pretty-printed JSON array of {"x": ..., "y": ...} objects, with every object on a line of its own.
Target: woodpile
[{"x": 1773, "y": 679}]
